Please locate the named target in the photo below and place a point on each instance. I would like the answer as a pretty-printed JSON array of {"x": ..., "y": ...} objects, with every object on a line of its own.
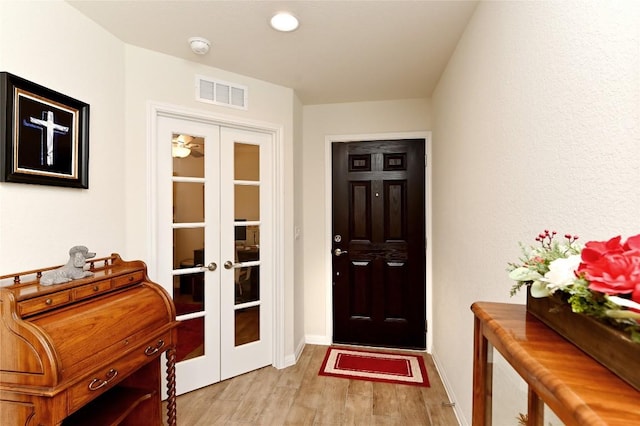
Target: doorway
[
  {"x": 379, "y": 243},
  {"x": 215, "y": 245}
]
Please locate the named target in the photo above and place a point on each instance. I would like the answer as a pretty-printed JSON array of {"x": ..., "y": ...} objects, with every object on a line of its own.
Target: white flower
[
  {"x": 524, "y": 274},
  {"x": 624, "y": 302},
  {"x": 561, "y": 272},
  {"x": 539, "y": 289}
]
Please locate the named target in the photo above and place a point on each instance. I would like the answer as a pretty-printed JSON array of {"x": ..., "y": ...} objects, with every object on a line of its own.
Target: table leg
[
  {"x": 535, "y": 409},
  {"x": 482, "y": 377},
  {"x": 171, "y": 386}
]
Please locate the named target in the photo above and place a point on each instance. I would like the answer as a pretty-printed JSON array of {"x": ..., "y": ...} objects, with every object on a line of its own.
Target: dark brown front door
[{"x": 379, "y": 243}]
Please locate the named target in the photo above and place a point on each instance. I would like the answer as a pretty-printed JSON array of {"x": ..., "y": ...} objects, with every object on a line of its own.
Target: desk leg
[
  {"x": 535, "y": 409},
  {"x": 482, "y": 377},
  {"x": 171, "y": 386}
]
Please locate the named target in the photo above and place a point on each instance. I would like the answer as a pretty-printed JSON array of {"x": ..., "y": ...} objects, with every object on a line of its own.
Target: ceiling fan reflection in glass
[{"x": 184, "y": 145}]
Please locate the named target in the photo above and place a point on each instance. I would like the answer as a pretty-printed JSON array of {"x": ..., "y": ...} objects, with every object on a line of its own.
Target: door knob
[
  {"x": 212, "y": 266},
  {"x": 339, "y": 252},
  {"x": 228, "y": 264}
]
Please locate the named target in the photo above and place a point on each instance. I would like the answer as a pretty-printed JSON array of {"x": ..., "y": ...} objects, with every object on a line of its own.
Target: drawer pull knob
[
  {"x": 130, "y": 278},
  {"x": 48, "y": 301},
  {"x": 96, "y": 288},
  {"x": 96, "y": 384},
  {"x": 152, "y": 350}
]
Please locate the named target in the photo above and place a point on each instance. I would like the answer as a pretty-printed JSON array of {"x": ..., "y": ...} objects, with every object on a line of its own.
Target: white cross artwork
[{"x": 51, "y": 127}]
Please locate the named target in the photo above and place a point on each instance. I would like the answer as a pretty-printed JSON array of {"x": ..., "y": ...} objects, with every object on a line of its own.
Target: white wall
[
  {"x": 536, "y": 126},
  {"x": 52, "y": 44},
  {"x": 319, "y": 121}
]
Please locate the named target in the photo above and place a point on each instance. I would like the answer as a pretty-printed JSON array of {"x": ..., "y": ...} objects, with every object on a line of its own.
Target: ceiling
[{"x": 343, "y": 51}]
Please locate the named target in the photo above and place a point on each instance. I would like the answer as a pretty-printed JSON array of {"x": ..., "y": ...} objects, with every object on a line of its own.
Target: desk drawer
[
  {"x": 32, "y": 306},
  {"x": 104, "y": 379},
  {"x": 91, "y": 289},
  {"x": 128, "y": 279}
]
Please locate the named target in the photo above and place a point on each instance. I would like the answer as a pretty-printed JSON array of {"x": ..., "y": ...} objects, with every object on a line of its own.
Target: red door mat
[{"x": 399, "y": 368}]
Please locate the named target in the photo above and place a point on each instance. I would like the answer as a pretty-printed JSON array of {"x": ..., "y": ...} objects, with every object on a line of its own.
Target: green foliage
[
  {"x": 517, "y": 286},
  {"x": 585, "y": 301}
]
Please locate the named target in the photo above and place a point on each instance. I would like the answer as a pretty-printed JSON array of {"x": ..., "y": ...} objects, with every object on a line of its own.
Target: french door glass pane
[
  {"x": 188, "y": 293},
  {"x": 247, "y": 325},
  {"x": 193, "y": 164},
  {"x": 247, "y": 284},
  {"x": 247, "y": 162},
  {"x": 247, "y": 202},
  {"x": 188, "y": 202},
  {"x": 188, "y": 247},
  {"x": 190, "y": 339}
]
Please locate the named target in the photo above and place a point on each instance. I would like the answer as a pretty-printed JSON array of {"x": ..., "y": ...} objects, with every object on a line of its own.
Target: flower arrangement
[{"x": 601, "y": 279}]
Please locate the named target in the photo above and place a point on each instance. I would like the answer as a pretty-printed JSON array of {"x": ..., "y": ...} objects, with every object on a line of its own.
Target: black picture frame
[{"x": 44, "y": 135}]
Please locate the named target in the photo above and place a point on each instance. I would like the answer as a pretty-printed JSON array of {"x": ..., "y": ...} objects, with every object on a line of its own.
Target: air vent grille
[{"x": 221, "y": 92}]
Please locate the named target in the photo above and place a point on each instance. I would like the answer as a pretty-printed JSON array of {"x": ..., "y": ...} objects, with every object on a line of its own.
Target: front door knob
[
  {"x": 339, "y": 252},
  {"x": 212, "y": 266}
]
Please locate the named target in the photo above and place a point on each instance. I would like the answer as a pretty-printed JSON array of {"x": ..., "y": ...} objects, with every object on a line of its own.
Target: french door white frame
[{"x": 156, "y": 110}]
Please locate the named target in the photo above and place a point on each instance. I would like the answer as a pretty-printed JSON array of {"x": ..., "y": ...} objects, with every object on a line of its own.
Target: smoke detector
[{"x": 199, "y": 45}]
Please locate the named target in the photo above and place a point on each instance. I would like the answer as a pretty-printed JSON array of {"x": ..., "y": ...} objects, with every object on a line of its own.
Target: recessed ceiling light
[{"x": 284, "y": 21}]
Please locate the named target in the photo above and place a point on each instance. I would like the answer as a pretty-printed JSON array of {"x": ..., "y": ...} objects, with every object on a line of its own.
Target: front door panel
[{"x": 379, "y": 243}]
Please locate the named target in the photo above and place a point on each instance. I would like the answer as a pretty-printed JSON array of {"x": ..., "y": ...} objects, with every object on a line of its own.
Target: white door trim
[
  {"x": 329, "y": 139},
  {"x": 155, "y": 110}
]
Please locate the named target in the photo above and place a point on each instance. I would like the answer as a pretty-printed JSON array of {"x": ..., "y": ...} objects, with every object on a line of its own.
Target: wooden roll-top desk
[{"x": 87, "y": 351}]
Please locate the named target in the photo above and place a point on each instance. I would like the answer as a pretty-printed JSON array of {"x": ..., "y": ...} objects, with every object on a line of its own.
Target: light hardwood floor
[{"x": 297, "y": 395}]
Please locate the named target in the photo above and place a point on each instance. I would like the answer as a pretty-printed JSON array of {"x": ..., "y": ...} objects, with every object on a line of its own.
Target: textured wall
[
  {"x": 52, "y": 44},
  {"x": 536, "y": 125}
]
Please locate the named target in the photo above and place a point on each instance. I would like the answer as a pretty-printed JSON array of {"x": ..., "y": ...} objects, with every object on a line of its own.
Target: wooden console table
[{"x": 576, "y": 387}]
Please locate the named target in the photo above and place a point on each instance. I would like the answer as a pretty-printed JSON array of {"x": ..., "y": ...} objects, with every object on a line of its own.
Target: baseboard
[
  {"x": 293, "y": 358},
  {"x": 300, "y": 348},
  {"x": 290, "y": 360},
  {"x": 462, "y": 421},
  {"x": 318, "y": 340}
]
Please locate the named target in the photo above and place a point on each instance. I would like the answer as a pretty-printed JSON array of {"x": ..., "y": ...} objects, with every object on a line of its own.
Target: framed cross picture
[{"x": 44, "y": 135}]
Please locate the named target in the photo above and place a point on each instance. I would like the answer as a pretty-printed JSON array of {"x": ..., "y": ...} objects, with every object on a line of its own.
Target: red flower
[
  {"x": 633, "y": 243},
  {"x": 594, "y": 250},
  {"x": 613, "y": 268}
]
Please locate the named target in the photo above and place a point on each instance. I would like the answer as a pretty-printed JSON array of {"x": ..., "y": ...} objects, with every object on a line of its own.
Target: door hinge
[{"x": 426, "y": 326}]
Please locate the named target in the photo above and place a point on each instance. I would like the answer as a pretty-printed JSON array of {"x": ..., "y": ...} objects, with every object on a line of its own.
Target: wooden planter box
[{"x": 607, "y": 345}]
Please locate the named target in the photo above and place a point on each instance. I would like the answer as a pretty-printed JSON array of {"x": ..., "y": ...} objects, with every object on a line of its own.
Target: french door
[{"x": 214, "y": 256}]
